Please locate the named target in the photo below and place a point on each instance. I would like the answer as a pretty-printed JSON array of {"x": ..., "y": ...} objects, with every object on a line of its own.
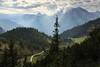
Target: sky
[{"x": 48, "y": 7}]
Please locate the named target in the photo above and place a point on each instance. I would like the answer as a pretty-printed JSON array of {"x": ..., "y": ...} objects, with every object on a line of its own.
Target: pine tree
[
  {"x": 4, "y": 62},
  {"x": 55, "y": 41},
  {"x": 12, "y": 54},
  {"x": 25, "y": 61},
  {"x": 52, "y": 59}
]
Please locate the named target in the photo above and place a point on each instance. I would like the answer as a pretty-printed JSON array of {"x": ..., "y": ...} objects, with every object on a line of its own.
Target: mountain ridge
[
  {"x": 44, "y": 23},
  {"x": 1, "y": 30},
  {"x": 75, "y": 17},
  {"x": 81, "y": 30}
]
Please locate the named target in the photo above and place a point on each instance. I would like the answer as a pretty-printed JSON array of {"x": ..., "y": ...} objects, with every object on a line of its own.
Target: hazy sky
[{"x": 48, "y": 7}]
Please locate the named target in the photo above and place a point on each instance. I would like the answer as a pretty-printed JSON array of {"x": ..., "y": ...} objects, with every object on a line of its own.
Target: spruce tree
[
  {"x": 55, "y": 40},
  {"x": 13, "y": 58},
  {"x": 4, "y": 62},
  {"x": 25, "y": 61},
  {"x": 10, "y": 56}
]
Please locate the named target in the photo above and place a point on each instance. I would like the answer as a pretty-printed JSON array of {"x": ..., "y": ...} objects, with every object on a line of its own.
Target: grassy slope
[{"x": 79, "y": 40}]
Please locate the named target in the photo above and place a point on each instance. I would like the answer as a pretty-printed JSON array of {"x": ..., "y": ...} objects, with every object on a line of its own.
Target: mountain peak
[
  {"x": 75, "y": 17},
  {"x": 78, "y": 9}
]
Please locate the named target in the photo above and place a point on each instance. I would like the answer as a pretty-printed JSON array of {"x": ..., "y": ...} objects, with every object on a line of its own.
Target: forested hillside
[
  {"x": 80, "y": 31},
  {"x": 28, "y": 39},
  {"x": 86, "y": 54}
]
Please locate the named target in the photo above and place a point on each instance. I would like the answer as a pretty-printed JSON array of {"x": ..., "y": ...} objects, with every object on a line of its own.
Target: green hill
[
  {"x": 28, "y": 39},
  {"x": 81, "y": 30}
]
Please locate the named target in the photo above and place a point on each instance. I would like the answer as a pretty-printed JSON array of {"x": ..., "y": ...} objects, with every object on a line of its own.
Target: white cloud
[{"x": 48, "y": 7}]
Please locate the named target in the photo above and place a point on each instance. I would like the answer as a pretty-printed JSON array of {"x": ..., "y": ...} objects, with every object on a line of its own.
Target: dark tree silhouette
[
  {"x": 4, "y": 62},
  {"x": 55, "y": 40},
  {"x": 12, "y": 54},
  {"x": 10, "y": 57},
  {"x": 25, "y": 61}
]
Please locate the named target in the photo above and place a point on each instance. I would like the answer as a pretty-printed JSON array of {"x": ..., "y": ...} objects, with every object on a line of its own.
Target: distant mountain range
[
  {"x": 75, "y": 17},
  {"x": 7, "y": 24},
  {"x": 44, "y": 23},
  {"x": 41, "y": 22}
]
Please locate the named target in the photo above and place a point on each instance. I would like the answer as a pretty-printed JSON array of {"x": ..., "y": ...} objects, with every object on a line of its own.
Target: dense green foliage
[
  {"x": 26, "y": 38},
  {"x": 86, "y": 54},
  {"x": 9, "y": 57}
]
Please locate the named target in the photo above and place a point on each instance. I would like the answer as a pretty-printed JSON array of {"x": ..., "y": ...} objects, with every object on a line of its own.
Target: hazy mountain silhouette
[
  {"x": 75, "y": 17},
  {"x": 44, "y": 23},
  {"x": 1, "y": 30},
  {"x": 8, "y": 24},
  {"x": 81, "y": 30}
]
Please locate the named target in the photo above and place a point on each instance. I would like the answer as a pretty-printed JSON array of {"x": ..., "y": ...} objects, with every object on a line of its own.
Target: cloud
[{"x": 48, "y": 7}]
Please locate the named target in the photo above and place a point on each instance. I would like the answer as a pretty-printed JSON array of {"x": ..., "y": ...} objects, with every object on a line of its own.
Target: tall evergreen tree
[
  {"x": 55, "y": 40},
  {"x": 4, "y": 62},
  {"x": 13, "y": 58},
  {"x": 25, "y": 61},
  {"x": 10, "y": 57}
]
